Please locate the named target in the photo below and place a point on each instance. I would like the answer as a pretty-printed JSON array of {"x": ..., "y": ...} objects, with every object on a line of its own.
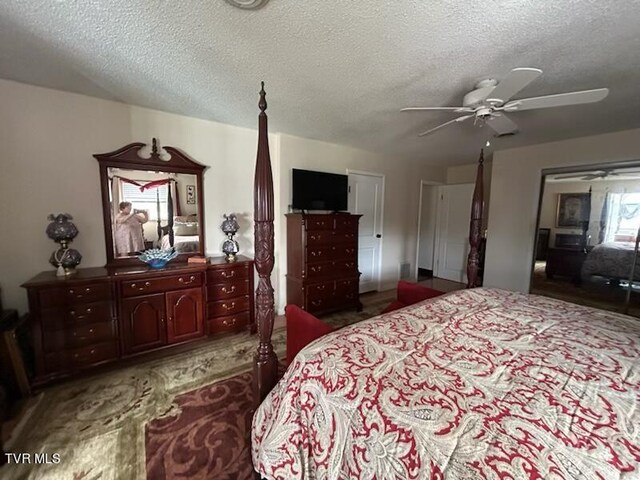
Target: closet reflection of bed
[{"x": 612, "y": 260}]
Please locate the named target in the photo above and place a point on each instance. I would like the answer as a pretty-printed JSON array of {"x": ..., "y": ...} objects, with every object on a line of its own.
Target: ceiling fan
[
  {"x": 490, "y": 100},
  {"x": 601, "y": 173}
]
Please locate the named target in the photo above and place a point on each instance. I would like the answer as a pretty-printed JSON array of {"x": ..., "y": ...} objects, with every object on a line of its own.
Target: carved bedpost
[
  {"x": 265, "y": 366},
  {"x": 475, "y": 227}
]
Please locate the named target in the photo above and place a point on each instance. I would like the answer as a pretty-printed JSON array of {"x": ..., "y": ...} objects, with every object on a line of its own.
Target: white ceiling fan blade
[
  {"x": 558, "y": 100},
  {"x": 516, "y": 80},
  {"x": 449, "y": 109},
  {"x": 569, "y": 177},
  {"x": 455, "y": 120},
  {"x": 502, "y": 124}
]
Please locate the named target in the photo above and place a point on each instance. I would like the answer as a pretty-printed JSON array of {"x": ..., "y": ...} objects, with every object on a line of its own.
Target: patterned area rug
[
  {"x": 210, "y": 438},
  {"x": 97, "y": 424}
]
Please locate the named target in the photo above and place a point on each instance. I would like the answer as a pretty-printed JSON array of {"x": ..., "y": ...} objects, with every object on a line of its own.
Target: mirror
[{"x": 151, "y": 201}]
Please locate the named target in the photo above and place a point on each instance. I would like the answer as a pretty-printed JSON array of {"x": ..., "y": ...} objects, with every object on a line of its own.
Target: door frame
[
  {"x": 427, "y": 183},
  {"x": 378, "y": 281}
]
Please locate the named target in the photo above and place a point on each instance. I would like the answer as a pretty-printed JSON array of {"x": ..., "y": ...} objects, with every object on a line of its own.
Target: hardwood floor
[{"x": 390, "y": 295}]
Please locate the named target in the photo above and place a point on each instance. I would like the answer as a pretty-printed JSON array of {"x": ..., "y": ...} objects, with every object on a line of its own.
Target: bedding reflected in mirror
[{"x": 153, "y": 210}]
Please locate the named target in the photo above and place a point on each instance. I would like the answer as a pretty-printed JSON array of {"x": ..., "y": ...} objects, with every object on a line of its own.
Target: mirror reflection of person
[{"x": 128, "y": 229}]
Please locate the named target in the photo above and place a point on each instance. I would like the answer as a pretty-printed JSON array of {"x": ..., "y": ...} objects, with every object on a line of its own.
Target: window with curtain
[
  {"x": 147, "y": 199},
  {"x": 624, "y": 217}
]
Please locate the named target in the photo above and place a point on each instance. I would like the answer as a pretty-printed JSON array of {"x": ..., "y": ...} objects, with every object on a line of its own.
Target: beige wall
[
  {"x": 48, "y": 138},
  {"x": 515, "y": 192},
  {"x": 401, "y": 196}
]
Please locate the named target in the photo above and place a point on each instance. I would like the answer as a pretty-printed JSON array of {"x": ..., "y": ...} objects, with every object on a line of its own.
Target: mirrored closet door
[{"x": 587, "y": 238}]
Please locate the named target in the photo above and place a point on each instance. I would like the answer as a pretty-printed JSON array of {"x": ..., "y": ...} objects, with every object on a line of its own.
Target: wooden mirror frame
[{"x": 129, "y": 157}]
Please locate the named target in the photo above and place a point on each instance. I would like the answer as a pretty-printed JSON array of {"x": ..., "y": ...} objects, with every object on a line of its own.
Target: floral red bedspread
[{"x": 480, "y": 383}]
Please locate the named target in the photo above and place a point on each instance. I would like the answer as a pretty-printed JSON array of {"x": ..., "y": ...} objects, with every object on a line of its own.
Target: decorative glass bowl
[{"x": 157, "y": 258}]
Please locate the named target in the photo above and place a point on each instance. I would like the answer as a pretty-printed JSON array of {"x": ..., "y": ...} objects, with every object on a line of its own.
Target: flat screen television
[{"x": 319, "y": 190}]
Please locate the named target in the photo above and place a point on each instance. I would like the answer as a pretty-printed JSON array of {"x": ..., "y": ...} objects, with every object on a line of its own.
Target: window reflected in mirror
[
  {"x": 587, "y": 243},
  {"x": 153, "y": 210}
]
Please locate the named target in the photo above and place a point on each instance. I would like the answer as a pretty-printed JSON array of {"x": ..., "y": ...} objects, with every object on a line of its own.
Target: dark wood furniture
[
  {"x": 569, "y": 240},
  {"x": 542, "y": 245},
  {"x": 475, "y": 227},
  {"x": 322, "y": 261},
  {"x": 99, "y": 315},
  {"x": 131, "y": 159},
  {"x": 566, "y": 262}
]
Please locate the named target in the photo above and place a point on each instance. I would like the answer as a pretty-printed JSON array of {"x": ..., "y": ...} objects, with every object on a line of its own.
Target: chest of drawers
[{"x": 322, "y": 261}]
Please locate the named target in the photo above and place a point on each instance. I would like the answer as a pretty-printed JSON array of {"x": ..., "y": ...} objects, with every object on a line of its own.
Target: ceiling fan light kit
[{"x": 490, "y": 99}]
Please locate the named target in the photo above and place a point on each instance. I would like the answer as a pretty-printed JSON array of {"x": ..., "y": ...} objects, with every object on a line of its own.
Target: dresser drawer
[
  {"x": 346, "y": 297},
  {"x": 81, "y": 336},
  {"x": 227, "y": 307},
  {"x": 345, "y": 267},
  {"x": 132, "y": 288},
  {"x": 319, "y": 238},
  {"x": 78, "y": 358},
  {"x": 348, "y": 286},
  {"x": 319, "y": 270},
  {"x": 340, "y": 252},
  {"x": 347, "y": 223},
  {"x": 320, "y": 254},
  {"x": 319, "y": 222},
  {"x": 73, "y": 295},
  {"x": 63, "y": 317},
  {"x": 347, "y": 238},
  {"x": 318, "y": 291},
  {"x": 227, "y": 290},
  {"x": 226, "y": 273},
  {"x": 230, "y": 323},
  {"x": 320, "y": 304}
]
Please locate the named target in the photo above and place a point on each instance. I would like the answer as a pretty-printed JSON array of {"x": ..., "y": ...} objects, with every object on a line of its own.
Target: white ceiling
[{"x": 336, "y": 70}]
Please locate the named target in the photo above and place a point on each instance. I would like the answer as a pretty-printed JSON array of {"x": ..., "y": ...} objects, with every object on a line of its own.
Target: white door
[
  {"x": 452, "y": 237},
  {"x": 365, "y": 198}
]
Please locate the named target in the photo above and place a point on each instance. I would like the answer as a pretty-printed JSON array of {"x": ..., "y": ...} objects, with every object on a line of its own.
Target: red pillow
[
  {"x": 410, "y": 293},
  {"x": 302, "y": 329}
]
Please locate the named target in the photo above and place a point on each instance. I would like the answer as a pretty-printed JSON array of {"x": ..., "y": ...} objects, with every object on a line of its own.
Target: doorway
[
  {"x": 443, "y": 230},
  {"x": 427, "y": 222},
  {"x": 366, "y": 197}
]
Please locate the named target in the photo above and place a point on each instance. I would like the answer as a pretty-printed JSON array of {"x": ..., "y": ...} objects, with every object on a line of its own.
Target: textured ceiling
[{"x": 336, "y": 70}]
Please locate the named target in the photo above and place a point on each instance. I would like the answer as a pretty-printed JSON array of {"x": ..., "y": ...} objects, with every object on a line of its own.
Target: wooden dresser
[
  {"x": 322, "y": 261},
  {"x": 100, "y": 315}
]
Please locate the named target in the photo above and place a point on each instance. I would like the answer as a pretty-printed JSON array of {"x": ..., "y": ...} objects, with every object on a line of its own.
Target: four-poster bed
[{"x": 481, "y": 383}]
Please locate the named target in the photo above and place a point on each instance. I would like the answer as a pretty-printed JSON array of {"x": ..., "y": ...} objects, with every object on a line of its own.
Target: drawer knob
[
  {"x": 228, "y": 274},
  {"x": 91, "y": 352},
  {"x": 321, "y": 287},
  {"x": 231, "y": 306},
  {"x": 229, "y": 323},
  {"x": 191, "y": 279},
  {"x": 316, "y": 303},
  {"x": 141, "y": 287},
  {"x": 230, "y": 290}
]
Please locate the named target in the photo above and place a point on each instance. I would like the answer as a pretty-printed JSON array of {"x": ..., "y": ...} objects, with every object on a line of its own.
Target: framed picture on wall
[
  {"x": 191, "y": 194},
  {"x": 573, "y": 210}
]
